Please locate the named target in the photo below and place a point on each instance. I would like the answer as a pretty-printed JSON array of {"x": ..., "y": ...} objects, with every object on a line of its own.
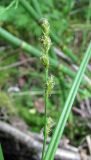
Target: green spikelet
[{"x": 50, "y": 124}]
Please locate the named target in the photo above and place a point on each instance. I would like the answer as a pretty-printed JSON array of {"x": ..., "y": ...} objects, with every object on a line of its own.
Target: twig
[
  {"x": 16, "y": 64},
  {"x": 29, "y": 142},
  {"x": 67, "y": 59}
]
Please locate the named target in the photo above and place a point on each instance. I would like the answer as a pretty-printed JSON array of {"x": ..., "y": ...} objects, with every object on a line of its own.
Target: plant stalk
[{"x": 45, "y": 119}]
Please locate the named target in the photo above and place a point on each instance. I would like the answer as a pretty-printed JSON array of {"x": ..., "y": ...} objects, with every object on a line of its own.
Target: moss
[{"x": 6, "y": 104}]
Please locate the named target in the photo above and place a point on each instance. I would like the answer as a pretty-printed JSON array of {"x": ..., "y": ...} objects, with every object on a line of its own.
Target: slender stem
[
  {"x": 46, "y": 104},
  {"x": 36, "y": 5}
]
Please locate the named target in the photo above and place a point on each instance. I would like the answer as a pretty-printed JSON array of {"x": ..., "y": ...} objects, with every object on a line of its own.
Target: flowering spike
[
  {"x": 45, "y": 60},
  {"x": 49, "y": 125},
  {"x": 45, "y": 26},
  {"x": 50, "y": 84},
  {"x": 46, "y": 44},
  {"x": 45, "y": 40}
]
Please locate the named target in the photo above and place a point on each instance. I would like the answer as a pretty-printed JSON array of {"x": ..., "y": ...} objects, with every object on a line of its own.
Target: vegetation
[
  {"x": 24, "y": 81},
  {"x": 1, "y": 153}
]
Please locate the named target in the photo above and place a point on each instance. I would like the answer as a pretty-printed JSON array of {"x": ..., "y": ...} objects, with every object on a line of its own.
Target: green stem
[
  {"x": 30, "y": 9},
  {"x": 37, "y": 7},
  {"x": 46, "y": 104}
]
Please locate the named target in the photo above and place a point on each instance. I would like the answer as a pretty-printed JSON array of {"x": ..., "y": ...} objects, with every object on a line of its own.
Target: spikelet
[
  {"x": 50, "y": 84},
  {"x": 49, "y": 125},
  {"x": 45, "y": 60}
]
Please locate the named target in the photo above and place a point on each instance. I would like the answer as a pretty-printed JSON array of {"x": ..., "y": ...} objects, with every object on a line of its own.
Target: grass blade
[
  {"x": 1, "y": 154},
  {"x": 67, "y": 107}
]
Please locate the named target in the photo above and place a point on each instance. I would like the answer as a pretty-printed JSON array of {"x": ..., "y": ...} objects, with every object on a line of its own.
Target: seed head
[
  {"x": 45, "y": 60},
  {"x": 49, "y": 125},
  {"x": 50, "y": 84},
  {"x": 45, "y": 26},
  {"x": 46, "y": 44}
]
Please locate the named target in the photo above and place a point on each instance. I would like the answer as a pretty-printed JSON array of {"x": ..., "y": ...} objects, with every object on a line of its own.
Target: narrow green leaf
[
  {"x": 67, "y": 108},
  {"x": 1, "y": 154}
]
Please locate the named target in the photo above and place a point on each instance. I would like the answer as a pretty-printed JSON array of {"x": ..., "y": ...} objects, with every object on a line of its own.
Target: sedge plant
[
  {"x": 49, "y": 80},
  {"x": 49, "y": 84}
]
